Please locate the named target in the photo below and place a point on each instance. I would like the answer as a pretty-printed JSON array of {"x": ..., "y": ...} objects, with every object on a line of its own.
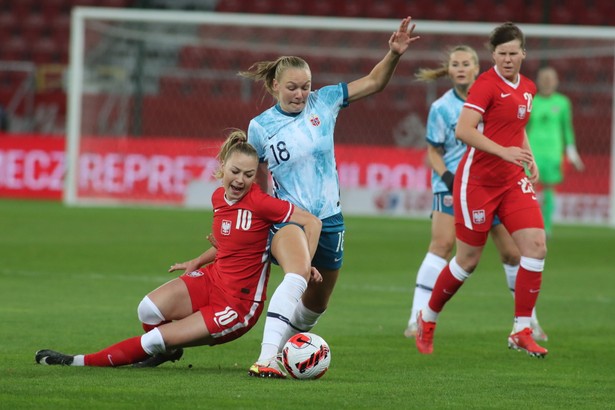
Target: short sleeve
[{"x": 255, "y": 138}]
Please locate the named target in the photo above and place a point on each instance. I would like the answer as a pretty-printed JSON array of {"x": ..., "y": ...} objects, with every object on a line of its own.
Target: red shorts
[
  {"x": 475, "y": 207},
  {"x": 226, "y": 317}
]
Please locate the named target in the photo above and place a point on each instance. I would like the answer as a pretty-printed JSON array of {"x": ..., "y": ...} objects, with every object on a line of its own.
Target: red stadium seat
[
  {"x": 230, "y": 6},
  {"x": 320, "y": 8},
  {"x": 51, "y": 9}
]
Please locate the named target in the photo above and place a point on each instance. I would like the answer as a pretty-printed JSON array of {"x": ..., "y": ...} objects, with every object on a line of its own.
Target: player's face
[
  {"x": 293, "y": 89},
  {"x": 462, "y": 68},
  {"x": 508, "y": 58},
  {"x": 547, "y": 81},
  {"x": 239, "y": 173}
]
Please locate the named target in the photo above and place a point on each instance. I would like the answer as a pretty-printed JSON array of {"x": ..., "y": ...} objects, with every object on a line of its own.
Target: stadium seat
[
  {"x": 386, "y": 9},
  {"x": 289, "y": 8},
  {"x": 44, "y": 51},
  {"x": 230, "y": 6},
  {"x": 51, "y": 9},
  {"x": 190, "y": 57},
  {"x": 320, "y": 8}
]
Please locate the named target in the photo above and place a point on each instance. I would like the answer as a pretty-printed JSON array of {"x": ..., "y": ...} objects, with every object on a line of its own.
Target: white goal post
[{"x": 142, "y": 80}]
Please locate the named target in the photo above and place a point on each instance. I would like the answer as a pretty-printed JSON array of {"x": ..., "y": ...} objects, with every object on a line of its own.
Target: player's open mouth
[{"x": 236, "y": 190}]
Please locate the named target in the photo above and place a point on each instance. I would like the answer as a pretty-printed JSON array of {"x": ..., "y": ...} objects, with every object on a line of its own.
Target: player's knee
[
  {"x": 149, "y": 313},
  {"x": 538, "y": 246},
  {"x": 467, "y": 261},
  {"x": 510, "y": 258},
  {"x": 153, "y": 342},
  {"x": 459, "y": 272},
  {"x": 442, "y": 247}
]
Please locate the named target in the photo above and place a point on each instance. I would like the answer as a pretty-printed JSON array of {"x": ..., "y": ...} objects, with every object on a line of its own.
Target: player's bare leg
[{"x": 290, "y": 249}]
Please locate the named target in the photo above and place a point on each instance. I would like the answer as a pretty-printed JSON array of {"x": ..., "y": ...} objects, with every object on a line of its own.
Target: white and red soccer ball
[{"x": 306, "y": 356}]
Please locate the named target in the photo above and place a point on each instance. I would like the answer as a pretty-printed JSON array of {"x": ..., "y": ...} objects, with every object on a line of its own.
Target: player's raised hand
[{"x": 401, "y": 39}]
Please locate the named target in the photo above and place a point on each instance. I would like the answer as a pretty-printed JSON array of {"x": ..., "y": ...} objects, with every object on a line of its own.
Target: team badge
[
  {"x": 447, "y": 200},
  {"x": 195, "y": 274},
  {"x": 225, "y": 228},
  {"x": 478, "y": 216},
  {"x": 315, "y": 120},
  {"x": 521, "y": 112}
]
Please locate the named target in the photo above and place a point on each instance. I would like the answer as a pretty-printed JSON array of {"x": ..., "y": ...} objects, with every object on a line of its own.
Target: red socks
[
  {"x": 444, "y": 289},
  {"x": 527, "y": 288},
  {"x": 122, "y": 353}
]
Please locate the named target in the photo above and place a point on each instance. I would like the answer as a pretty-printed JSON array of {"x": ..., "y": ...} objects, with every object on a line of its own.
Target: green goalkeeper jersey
[{"x": 550, "y": 127}]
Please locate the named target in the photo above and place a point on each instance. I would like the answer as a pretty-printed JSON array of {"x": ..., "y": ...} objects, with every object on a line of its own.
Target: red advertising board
[
  {"x": 158, "y": 170},
  {"x": 31, "y": 166}
]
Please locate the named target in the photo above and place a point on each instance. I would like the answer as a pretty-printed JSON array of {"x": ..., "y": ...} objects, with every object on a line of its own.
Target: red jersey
[
  {"x": 505, "y": 108},
  {"x": 241, "y": 230}
]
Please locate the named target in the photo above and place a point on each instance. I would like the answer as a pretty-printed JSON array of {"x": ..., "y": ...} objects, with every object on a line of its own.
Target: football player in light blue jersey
[
  {"x": 294, "y": 140},
  {"x": 303, "y": 143},
  {"x": 444, "y": 152}
]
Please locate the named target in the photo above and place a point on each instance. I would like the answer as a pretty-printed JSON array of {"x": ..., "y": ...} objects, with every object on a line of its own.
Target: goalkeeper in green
[{"x": 550, "y": 134}]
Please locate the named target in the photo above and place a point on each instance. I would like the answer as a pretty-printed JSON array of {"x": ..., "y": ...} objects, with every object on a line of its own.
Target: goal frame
[{"x": 80, "y": 15}]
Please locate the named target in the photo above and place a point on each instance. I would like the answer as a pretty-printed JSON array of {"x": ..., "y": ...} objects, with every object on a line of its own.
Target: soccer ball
[{"x": 306, "y": 356}]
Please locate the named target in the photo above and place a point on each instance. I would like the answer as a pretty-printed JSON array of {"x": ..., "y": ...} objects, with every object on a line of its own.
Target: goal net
[{"x": 153, "y": 93}]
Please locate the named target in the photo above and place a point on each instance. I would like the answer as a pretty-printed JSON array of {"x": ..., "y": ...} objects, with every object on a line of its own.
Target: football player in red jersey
[
  {"x": 495, "y": 177},
  {"x": 221, "y": 294}
]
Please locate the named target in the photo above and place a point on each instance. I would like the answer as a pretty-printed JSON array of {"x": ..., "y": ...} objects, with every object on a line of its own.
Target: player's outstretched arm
[
  {"x": 206, "y": 257},
  {"x": 382, "y": 72}
]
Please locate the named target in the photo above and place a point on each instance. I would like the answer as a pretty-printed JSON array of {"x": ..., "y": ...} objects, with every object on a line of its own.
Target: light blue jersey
[
  {"x": 298, "y": 149},
  {"x": 441, "y": 124}
]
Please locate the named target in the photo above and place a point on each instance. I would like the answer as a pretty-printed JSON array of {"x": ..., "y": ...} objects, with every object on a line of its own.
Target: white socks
[
  {"x": 429, "y": 315},
  {"x": 511, "y": 276},
  {"x": 281, "y": 307},
  {"x": 425, "y": 280},
  {"x": 521, "y": 322},
  {"x": 303, "y": 320},
  {"x": 78, "y": 360}
]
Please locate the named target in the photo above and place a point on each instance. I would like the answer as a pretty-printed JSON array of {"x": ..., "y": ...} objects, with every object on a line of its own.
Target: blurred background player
[
  {"x": 222, "y": 292},
  {"x": 294, "y": 141},
  {"x": 551, "y": 133},
  {"x": 444, "y": 151},
  {"x": 492, "y": 179}
]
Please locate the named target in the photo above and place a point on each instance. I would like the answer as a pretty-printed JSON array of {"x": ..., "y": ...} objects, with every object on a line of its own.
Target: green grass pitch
[{"x": 71, "y": 280}]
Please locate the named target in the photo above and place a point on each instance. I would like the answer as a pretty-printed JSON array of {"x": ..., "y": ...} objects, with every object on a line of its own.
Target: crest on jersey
[
  {"x": 478, "y": 216},
  {"x": 195, "y": 274},
  {"x": 521, "y": 112},
  {"x": 225, "y": 228},
  {"x": 315, "y": 120}
]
